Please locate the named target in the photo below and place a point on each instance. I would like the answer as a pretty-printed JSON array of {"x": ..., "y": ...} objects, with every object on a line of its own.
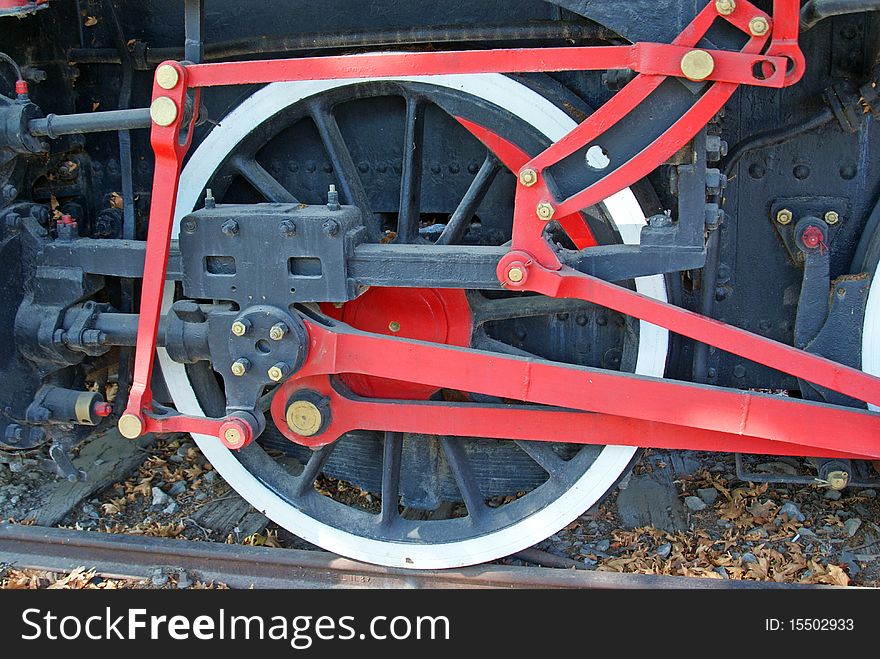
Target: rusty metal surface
[{"x": 262, "y": 567}]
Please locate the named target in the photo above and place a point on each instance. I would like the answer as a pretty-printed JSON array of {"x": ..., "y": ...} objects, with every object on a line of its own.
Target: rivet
[
  {"x": 167, "y": 76},
  {"x": 163, "y": 111},
  {"x": 831, "y": 217},
  {"x": 394, "y": 326}
]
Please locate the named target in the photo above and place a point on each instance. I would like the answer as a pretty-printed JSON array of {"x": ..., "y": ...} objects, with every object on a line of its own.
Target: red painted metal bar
[
  {"x": 169, "y": 147},
  {"x": 647, "y": 58},
  {"x": 513, "y": 422},
  {"x": 515, "y": 159},
  {"x": 568, "y": 283},
  {"x": 814, "y": 426}
]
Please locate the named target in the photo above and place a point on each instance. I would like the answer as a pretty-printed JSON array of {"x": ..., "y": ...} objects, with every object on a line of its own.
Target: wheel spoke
[
  {"x": 486, "y": 310},
  {"x": 544, "y": 455},
  {"x": 391, "y": 456},
  {"x": 411, "y": 174},
  {"x": 483, "y": 342},
  {"x": 266, "y": 184},
  {"x": 464, "y": 477},
  {"x": 313, "y": 469},
  {"x": 350, "y": 183},
  {"x": 460, "y": 220}
]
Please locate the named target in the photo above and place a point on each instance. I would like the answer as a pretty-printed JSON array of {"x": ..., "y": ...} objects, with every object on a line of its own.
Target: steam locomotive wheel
[{"x": 487, "y": 527}]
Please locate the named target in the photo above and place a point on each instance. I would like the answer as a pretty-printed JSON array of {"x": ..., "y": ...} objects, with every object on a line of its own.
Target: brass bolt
[
  {"x": 240, "y": 367},
  {"x": 167, "y": 76},
  {"x": 304, "y": 418},
  {"x": 239, "y": 328},
  {"x": 697, "y": 65},
  {"x": 725, "y": 7},
  {"x": 759, "y": 26},
  {"x": 837, "y": 480},
  {"x": 277, "y": 332},
  {"x": 516, "y": 275},
  {"x": 277, "y": 372},
  {"x": 784, "y": 216},
  {"x": 163, "y": 111},
  {"x": 528, "y": 177},
  {"x": 545, "y": 211},
  {"x": 394, "y": 326},
  {"x": 831, "y": 217},
  {"x": 130, "y": 426},
  {"x": 233, "y": 437}
]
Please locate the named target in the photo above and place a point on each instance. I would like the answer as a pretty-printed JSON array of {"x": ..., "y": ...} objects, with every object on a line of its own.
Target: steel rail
[{"x": 131, "y": 556}]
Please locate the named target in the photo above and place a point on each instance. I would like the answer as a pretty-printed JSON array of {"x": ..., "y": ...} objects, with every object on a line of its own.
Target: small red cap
[
  {"x": 21, "y": 87},
  {"x": 103, "y": 409}
]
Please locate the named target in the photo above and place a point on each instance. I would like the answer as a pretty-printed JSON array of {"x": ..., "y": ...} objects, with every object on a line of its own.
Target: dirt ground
[{"x": 710, "y": 523}]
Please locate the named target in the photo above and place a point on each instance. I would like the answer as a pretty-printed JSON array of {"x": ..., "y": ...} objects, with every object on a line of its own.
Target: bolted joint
[
  {"x": 278, "y": 372},
  {"x": 287, "y": 228},
  {"x": 759, "y": 26},
  {"x": 230, "y": 228},
  {"x": 163, "y": 111},
  {"x": 545, "y": 211},
  {"x": 277, "y": 331},
  {"x": 330, "y": 227},
  {"x": 832, "y": 218},
  {"x": 240, "y": 367},
  {"x": 236, "y": 433},
  {"x": 130, "y": 426},
  {"x": 308, "y": 413},
  {"x": 241, "y": 327},
  {"x": 697, "y": 65},
  {"x": 784, "y": 216},
  {"x": 528, "y": 177},
  {"x": 725, "y": 7},
  {"x": 167, "y": 77}
]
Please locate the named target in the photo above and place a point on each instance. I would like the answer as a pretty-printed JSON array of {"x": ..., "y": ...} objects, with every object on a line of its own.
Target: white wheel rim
[{"x": 625, "y": 213}]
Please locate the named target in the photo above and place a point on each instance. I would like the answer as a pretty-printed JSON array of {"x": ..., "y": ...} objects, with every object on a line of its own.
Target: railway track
[{"x": 128, "y": 556}]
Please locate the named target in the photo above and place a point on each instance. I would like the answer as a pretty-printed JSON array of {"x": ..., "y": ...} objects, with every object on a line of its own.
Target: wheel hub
[{"x": 436, "y": 315}]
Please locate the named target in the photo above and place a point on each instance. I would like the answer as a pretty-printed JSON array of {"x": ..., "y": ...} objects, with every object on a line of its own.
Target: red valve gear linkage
[{"x": 604, "y": 407}]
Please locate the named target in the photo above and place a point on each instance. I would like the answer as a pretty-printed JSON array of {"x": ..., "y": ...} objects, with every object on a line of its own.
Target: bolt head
[
  {"x": 230, "y": 228},
  {"x": 784, "y": 216},
  {"x": 232, "y": 437},
  {"x": 167, "y": 76},
  {"x": 697, "y": 65},
  {"x": 759, "y": 26},
  {"x": 240, "y": 367},
  {"x": 130, "y": 426},
  {"x": 163, "y": 111},
  {"x": 239, "y": 328},
  {"x": 516, "y": 275},
  {"x": 832, "y": 217},
  {"x": 277, "y": 332},
  {"x": 394, "y": 326},
  {"x": 545, "y": 211},
  {"x": 277, "y": 372},
  {"x": 528, "y": 177},
  {"x": 837, "y": 480},
  {"x": 725, "y": 7},
  {"x": 304, "y": 418}
]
